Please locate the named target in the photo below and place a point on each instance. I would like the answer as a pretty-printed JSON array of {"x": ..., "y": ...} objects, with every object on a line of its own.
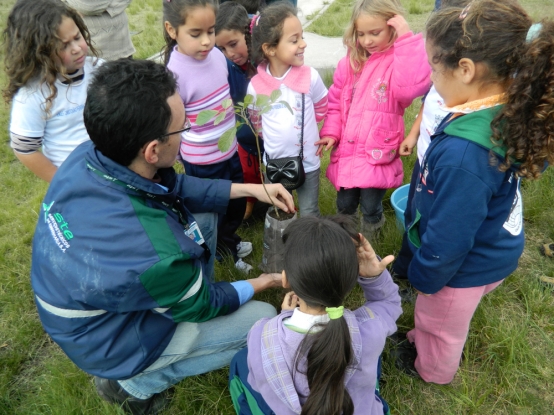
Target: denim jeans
[
  {"x": 198, "y": 348},
  {"x": 308, "y": 195},
  {"x": 369, "y": 200}
]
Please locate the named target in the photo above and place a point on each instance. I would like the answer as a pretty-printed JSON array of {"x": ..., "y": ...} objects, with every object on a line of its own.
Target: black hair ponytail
[{"x": 322, "y": 268}]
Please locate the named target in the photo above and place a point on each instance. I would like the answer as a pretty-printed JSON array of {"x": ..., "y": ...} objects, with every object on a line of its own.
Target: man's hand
[
  {"x": 278, "y": 194},
  {"x": 265, "y": 281},
  {"x": 325, "y": 143},
  {"x": 400, "y": 25},
  {"x": 370, "y": 266},
  {"x": 290, "y": 302}
]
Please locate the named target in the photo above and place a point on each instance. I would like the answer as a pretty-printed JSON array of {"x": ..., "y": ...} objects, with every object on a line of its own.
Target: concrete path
[{"x": 322, "y": 52}]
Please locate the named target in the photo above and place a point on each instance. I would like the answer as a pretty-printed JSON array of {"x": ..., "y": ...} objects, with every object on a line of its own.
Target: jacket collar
[
  {"x": 122, "y": 173},
  {"x": 298, "y": 79}
]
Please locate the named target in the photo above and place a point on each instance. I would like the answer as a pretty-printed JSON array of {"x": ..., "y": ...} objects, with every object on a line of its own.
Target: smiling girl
[
  {"x": 385, "y": 69},
  {"x": 202, "y": 83},
  {"x": 48, "y": 73},
  {"x": 278, "y": 45}
]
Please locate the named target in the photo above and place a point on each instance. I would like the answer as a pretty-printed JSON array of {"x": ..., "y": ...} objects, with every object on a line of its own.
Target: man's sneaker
[
  {"x": 244, "y": 249},
  {"x": 404, "y": 354},
  {"x": 111, "y": 391},
  {"x": 243, "y": 266}
]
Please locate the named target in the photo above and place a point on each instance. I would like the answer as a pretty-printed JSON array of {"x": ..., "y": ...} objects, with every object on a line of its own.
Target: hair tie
[
  {"x": 335, "y": 312},
  {"x": 465, "y": 11},
  {"x": 533, "y": 32},
  {"x": 254, "y": 21}
]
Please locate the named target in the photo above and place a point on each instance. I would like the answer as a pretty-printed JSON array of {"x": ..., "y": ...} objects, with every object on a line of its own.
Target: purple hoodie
[{"x": 272, "y": 350}]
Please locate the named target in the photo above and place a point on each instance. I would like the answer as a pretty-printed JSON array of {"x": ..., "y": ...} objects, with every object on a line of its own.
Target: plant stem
[{"x": 248, "y": 122}]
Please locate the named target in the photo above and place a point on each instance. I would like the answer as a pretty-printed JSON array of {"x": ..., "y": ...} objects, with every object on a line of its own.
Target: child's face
[
  {"x": 290, "y": 49},
  {"x": 233, "y": 46},
  {"x": 73, "y": 48},
  {"x": 195, "y": 38},
  {"x": 446, "y": 81},
  {"x": 373, "y": 33}
]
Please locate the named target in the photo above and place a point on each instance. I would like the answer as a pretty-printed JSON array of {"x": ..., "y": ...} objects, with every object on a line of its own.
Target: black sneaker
[
  {"x": 405, "y": 289},
  {"x": 404, "y": 354},
  {"x": 111, "y": 391}
]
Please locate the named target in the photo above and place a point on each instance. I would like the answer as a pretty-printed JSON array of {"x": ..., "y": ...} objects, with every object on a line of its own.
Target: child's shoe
[
  {"x": 244, "y": 249},
  {"x": 243, "y": 266},
  {"x": 404, "y": 354},
  {"x": 370, "y": 230}
]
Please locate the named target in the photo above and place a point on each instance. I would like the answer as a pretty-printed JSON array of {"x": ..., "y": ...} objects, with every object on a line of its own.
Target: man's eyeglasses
[{"x": 187, "y": 127}]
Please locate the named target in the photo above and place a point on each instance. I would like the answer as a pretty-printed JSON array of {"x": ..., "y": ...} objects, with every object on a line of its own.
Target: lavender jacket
[{"x": 272, "y": 349}]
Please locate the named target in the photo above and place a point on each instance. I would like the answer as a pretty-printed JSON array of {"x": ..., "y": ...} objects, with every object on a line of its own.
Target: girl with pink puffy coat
[{"x": 385, "y": 69}]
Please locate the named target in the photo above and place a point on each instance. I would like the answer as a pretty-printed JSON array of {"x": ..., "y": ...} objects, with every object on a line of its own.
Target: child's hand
[
  {"x": 400, "y": 25},
  {"x": 327, "y": 142},
  {"x": 290, "y": 302},
  {"x": 407, "y": 146},
  {"x": 370, "y": 266}
]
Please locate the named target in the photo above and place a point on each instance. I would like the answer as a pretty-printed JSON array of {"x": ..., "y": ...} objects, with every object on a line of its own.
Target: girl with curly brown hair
[
  {"x": 494, "y": 69},
  {"x": 46, "y": 45}
]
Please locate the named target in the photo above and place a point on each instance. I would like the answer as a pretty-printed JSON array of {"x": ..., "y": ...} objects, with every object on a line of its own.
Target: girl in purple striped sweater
[{"x": 201, "y": 73}]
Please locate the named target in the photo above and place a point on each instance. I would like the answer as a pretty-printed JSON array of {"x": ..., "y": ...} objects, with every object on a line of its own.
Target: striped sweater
[{"x": 203, "y": 85}]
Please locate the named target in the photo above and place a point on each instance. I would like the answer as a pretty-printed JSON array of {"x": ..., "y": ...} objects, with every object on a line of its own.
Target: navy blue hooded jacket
[
  {"x": 467, "y": 227},
  {"x": 112, "y": 270}
]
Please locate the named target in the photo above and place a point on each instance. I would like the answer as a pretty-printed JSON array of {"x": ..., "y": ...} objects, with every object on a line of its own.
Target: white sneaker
[
  {"x": 244, "y": 249},
  {"x": 243, "y": 266}
]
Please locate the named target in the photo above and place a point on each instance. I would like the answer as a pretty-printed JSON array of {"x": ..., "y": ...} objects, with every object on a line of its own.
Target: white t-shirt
[
  {"x": 431, "y": 118},
  {"x": 64, "y": 129},
  {"x": 281, "y": 129}
]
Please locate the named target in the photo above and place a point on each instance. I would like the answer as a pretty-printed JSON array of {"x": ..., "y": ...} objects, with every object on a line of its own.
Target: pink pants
[{"x": 441, "y": 327}]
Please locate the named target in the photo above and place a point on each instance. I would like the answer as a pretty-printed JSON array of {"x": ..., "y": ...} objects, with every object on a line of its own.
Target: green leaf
[
  {"x": 248, "y": 99},
  {"x": 266, "y": 110},
  {"x": 275, "y": 95},
  {"x": 226, "y": 103},
  {"x": 262, "y": 100},
  {"x": 227, "y": 139},
  {"x": 286, "y": 104},
  {"x": 220, "y": 117},
  {"x": 205, "y": 116}
]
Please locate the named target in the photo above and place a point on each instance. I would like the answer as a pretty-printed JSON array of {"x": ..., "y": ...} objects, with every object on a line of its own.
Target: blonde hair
[{"x": 386, "y": 9}]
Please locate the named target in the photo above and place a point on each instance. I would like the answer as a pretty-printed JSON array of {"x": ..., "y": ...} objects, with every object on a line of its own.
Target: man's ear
[
  {"x": 284, "y": 281},
  {"x": 170, "y": 30},
  {"x": 467, "y": 69},
  {"x": 150, "y": 151}
]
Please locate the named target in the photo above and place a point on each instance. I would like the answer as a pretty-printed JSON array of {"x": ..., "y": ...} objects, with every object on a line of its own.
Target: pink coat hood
[{"x": 365, "y": 114}]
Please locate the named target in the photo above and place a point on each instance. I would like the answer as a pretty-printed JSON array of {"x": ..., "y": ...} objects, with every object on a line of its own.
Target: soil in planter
[{"x": 282, "y": 214}]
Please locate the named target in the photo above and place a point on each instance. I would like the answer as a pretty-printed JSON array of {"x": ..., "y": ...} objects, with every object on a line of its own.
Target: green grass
[{"x": 510, "y": 350}]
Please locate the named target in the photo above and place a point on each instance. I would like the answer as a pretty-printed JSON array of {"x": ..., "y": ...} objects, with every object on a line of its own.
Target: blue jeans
[
  {"x": 308, "y": 195},
  {"x": 198, "y": 348},
  {"x": 369, "y": 200}
]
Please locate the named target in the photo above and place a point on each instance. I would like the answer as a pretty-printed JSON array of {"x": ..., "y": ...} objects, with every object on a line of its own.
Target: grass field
[{"x": 509, "y": 365}]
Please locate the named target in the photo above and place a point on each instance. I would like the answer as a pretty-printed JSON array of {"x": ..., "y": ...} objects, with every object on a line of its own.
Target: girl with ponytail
[{"x": 317, "y": 357}]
